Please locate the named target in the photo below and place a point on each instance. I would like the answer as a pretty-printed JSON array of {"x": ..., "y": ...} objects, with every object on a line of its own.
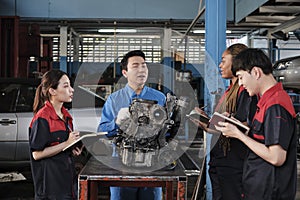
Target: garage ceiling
[
  {"x": 275, "y": 16},
  {"x": 272, "y": 17}
]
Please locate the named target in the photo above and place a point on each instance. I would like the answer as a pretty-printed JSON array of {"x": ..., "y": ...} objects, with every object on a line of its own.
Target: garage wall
[
  {"x": 117, "y": 9},
  {"x": 137, "y": 9}
]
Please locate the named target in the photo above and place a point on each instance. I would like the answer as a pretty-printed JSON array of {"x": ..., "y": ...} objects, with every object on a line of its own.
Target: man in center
[{"x": 115, "y": 111}]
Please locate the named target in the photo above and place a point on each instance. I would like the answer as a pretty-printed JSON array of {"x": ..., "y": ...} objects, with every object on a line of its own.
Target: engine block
[{"x": 146, "y": 138}]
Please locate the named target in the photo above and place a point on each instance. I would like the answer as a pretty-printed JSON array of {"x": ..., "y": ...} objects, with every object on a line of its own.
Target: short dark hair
[
  {"x": 124, "y": 61},
  {"x": 252, "y": 57}
]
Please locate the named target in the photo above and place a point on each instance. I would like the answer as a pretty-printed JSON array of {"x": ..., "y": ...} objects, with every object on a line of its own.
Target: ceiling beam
[
  {"x": 243, "y": 8},
  {"x": 195, "y": 20},
  {"x": 279, "y": 9},
  {"x": 286, "y": 27},
  {"x": 261, "y": 18},
  {"x": 257, "y": 24},
  {"x": 287, "y": 1}
]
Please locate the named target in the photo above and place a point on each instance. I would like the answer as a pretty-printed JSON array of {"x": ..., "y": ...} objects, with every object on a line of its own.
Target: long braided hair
[{"x": 229, "y": 102}]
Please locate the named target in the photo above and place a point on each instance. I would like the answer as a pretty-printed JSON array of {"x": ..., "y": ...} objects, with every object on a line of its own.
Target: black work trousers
[{"x": 226, "y": 183}]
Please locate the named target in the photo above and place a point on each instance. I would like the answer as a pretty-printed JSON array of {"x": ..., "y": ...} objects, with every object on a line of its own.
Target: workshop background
[{"x": 187, "y": 36}]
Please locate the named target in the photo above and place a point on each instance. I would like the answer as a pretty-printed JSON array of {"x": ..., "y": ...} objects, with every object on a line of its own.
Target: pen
[
  {"x": 69, "y": 128},
  {"x": 203, "y": 107}
]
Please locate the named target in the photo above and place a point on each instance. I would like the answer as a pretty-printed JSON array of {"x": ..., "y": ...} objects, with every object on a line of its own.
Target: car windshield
[{"x": 16, "y": 97}]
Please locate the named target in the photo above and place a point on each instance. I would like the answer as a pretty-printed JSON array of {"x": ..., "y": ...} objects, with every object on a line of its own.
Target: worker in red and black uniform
[
  {"x": 270, "y": 170},
  {"x": 50, "y": 131},
  {"x": 227, "y": 155}
]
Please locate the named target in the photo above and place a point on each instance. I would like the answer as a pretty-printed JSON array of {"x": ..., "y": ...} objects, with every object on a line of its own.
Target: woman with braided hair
[{"x": 227, "y": 155}]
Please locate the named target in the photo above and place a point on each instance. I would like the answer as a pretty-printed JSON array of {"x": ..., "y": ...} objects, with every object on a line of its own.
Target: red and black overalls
[
  {"x": 54, "y": 177},
  {"x": 273, "y": 124}
]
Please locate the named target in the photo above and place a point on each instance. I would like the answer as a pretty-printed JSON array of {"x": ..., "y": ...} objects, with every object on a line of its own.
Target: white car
[{"x": 287, "y": 71}]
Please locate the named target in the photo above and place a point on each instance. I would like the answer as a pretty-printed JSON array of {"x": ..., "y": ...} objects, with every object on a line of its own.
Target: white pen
[{"x": 203, "y": 107}]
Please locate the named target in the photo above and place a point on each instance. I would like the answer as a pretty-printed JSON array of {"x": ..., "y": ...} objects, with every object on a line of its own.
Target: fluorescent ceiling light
[
  {"x": 117, "y": 30},
  {"x": 203, "y": 31},
  {"x": 198, "y": 31}
]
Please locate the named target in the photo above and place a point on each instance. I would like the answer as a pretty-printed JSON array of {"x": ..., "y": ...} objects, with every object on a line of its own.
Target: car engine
[{"x": 146, "y": 138}]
